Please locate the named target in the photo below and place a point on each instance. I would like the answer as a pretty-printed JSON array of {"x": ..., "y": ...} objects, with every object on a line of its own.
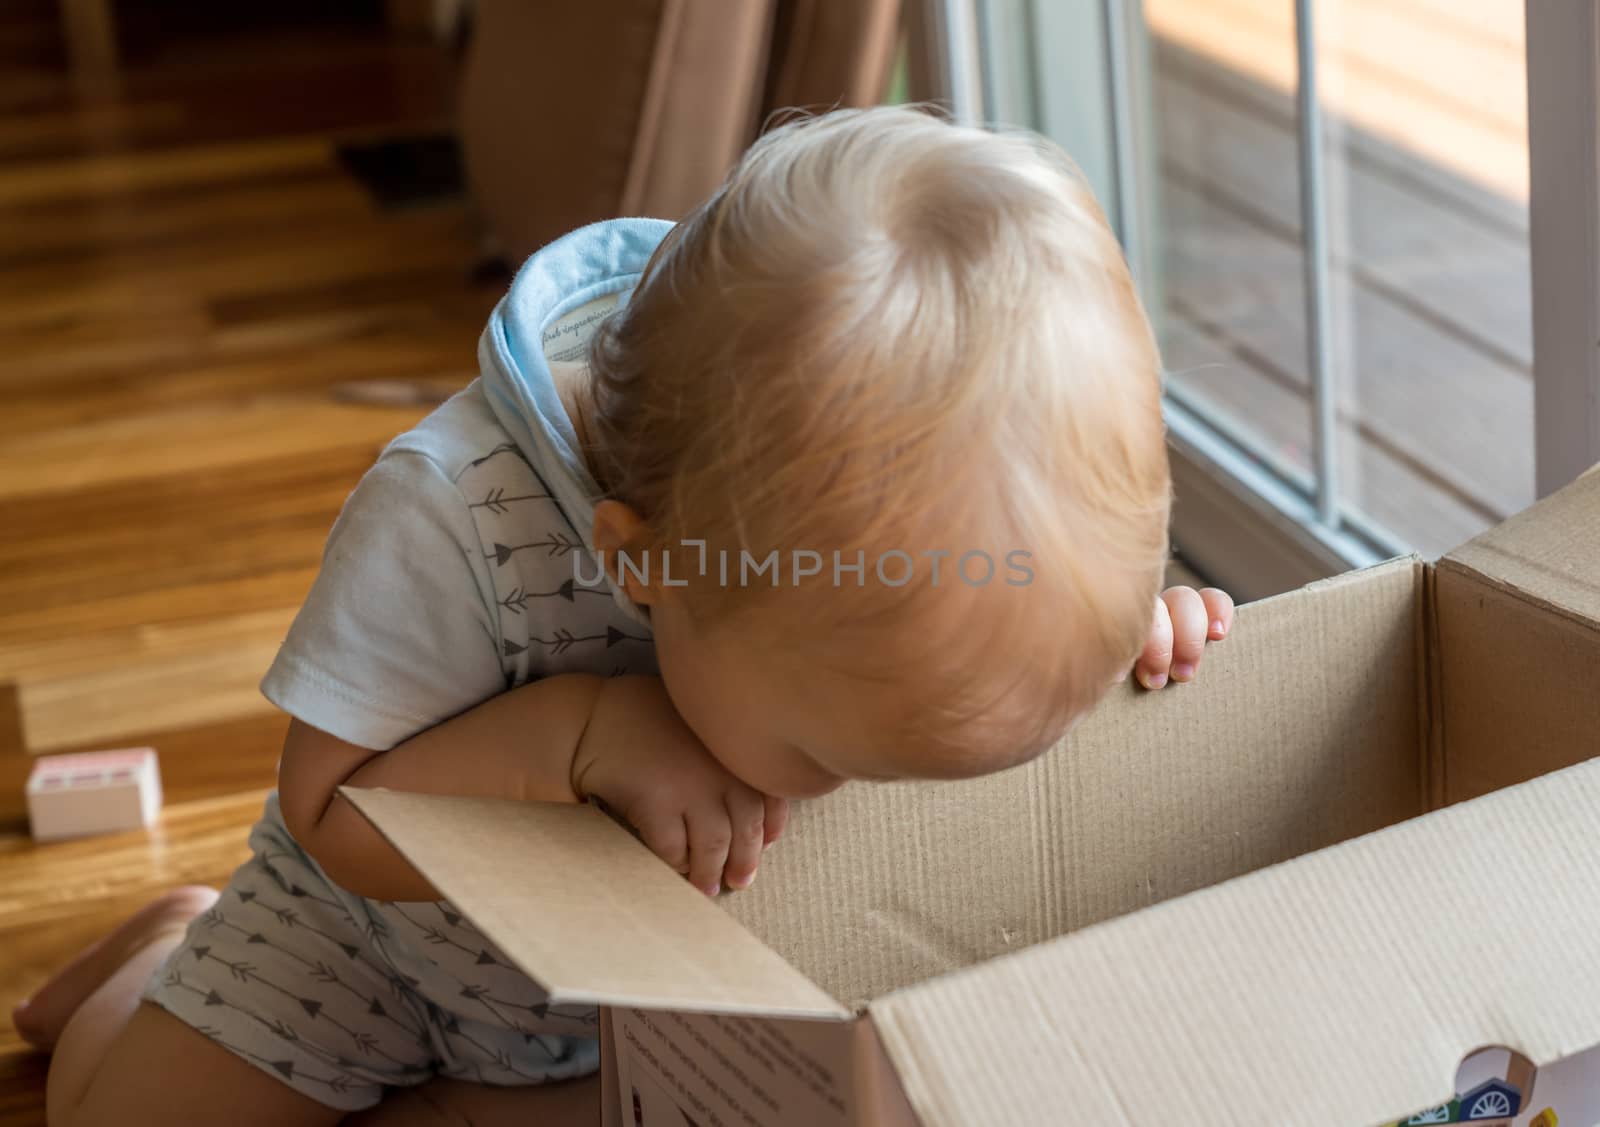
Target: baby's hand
[
  {"x": 1185, "y": 620},
  {"x": 639, "y": 756}
]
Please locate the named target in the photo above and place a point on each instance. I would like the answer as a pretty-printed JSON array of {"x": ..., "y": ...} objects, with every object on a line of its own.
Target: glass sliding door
[
  {"x": 1327, "y": 206},
  {"x": 1383, "y": 143}
]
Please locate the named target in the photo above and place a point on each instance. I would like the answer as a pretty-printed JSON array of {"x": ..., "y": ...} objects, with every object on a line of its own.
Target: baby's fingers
[
  {"x": 1219, "y": 612},
  {"x": 777, "y": 819},
  {"x": 1190, "y": 625},
  {"x": 668, "y": 839},
  {"x": 747, "y": 814},
  {"x": 1155, "y": 662},
  {"x": 710, "y": 838}
]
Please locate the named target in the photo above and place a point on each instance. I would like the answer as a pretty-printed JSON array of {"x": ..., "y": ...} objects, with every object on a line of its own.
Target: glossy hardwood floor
[{"x": 186, "y": 270}]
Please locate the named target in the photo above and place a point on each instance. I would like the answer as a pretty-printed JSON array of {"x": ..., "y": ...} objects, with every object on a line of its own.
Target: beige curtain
[{"x": 571, "y": 113}]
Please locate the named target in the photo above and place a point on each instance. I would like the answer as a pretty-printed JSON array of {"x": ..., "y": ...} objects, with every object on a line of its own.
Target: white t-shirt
[
  {"x": 462, "y": 565},
  {"x": 448, "y": 578}
]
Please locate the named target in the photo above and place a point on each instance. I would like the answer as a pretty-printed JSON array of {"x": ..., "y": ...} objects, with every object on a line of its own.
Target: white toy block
[{"x": 95, "y": 792}]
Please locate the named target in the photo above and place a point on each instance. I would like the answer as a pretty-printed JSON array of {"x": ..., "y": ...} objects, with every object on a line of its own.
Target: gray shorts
[{"x": 340, "y": 997}]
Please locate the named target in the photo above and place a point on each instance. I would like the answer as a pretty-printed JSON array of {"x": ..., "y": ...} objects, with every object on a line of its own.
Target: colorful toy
[{"x": 1493, "y": 1103}]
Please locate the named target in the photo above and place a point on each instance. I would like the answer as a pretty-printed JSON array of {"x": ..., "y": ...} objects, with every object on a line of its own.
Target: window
[{"x": 1327, "y": 206}]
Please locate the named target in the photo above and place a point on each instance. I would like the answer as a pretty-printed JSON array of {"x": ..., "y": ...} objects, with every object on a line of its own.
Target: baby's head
[{"x": 891, "y": 336}]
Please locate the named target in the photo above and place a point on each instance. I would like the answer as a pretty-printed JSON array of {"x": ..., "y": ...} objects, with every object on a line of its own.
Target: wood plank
[
  {"x": 1474, "y": 73},
  {"x": 93, "y": 689},
  {"x": 214, "y": 89},
  {"x": 202, "y": 761},
  {"x": 22, "y": 1075},
  {"x": 1238, "y": 389},
  {"x": 294, "y": 354},
  {"x": 197, "y": 684},
  {"x": 1444, "y": 111},
  {"x": 1466, "y": 417},
  {"x": 192, "y": 842},
  {"x": 161, "y": 599},
  {"x": 191, "y": 440},
  {"x": 259, "y": 264},
  {"x": 152, "y": 218},
  {"x": 1472, "y": 277},
  {"x": 12, "y": 743},
  {"x": 57, "y": 898},
  {"x": 115, "y": 175},
  {"x": 92, "y": 652},
  {"x": 162, "y": 549},
  {"x": 91, "y": 33},
  {"x": 48, "y": 131},
  {"x": 1480, "y": 78},
  {"x": 1491, "y": 20},
  {"x": 1358, "y": 146}
]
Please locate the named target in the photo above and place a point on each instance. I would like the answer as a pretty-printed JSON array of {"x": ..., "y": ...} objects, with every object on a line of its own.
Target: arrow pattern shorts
[{"x": 341, "y": 997}]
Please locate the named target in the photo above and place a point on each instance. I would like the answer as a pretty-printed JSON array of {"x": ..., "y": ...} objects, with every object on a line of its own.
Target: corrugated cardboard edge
[
  {"x": 1431, "y": 704},
  {"x": 1341, "y": 988},
  {"x": 591, "y": 916},
  {"x": 1544, "y": 554},
  {"x": 1478, "y": 566},
  {"x": 610, "y": 1085},
  {"x": 1518, "y": 623},
  {"x": 879, "y": 1098}
]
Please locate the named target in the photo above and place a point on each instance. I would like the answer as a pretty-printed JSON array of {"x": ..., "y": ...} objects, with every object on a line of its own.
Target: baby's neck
[{"x": 576, "y": 389}]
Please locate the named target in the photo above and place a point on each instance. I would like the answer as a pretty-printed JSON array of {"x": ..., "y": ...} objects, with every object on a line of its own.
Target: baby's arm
[{"x": 560, "y": 739}]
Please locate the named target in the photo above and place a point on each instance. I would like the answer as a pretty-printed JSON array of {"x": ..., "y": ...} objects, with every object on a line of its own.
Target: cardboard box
[{"x": 1119, "y": 932}]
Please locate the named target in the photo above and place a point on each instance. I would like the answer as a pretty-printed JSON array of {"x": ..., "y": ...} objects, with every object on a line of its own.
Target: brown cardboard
[
  {"x": 1518, "y": 608},
  {"x": 1330, "y": 990},
  {"x": 647, "y": 937},
  {"x": 1546, "y": 553},
  {"x": 966, "y": 924},
  {"x": 1521, "y": 685},
  {"x": 1151, "y": 797}
]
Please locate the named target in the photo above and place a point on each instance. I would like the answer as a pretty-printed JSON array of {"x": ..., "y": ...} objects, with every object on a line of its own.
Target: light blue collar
[{"x": 591, "y": 262}]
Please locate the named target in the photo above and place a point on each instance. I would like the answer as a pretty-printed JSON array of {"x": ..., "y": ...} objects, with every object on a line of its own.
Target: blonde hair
[{"x": 883, "y": 327}]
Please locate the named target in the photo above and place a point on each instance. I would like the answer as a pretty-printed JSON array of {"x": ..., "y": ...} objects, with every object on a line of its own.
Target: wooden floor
[
  {"x": 1428, "y": 193},
  {"x": 185, "y": 272}
]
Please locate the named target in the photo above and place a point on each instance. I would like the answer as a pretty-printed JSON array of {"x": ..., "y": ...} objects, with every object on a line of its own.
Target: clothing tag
[{"x": 568, "y": 338}]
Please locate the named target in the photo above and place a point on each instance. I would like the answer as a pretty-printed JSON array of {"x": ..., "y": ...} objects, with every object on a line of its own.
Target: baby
[{"x": 857, "y": 473}]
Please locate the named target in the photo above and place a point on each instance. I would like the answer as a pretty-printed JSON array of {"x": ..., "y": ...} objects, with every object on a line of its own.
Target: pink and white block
[{"x": 94, "y": 792}]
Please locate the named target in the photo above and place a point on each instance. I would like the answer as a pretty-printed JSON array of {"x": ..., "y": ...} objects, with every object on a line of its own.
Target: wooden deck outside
[{"x": 1429, "y": 190}]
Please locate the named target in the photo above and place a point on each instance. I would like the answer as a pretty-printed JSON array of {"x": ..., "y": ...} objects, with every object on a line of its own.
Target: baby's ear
[{"x": 618, "y": 531}]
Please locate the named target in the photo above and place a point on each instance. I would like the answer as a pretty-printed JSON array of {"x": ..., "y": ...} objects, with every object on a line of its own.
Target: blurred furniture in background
[
  {"x": 572, "y": 113},
  {"x": 90, "y": 31}
]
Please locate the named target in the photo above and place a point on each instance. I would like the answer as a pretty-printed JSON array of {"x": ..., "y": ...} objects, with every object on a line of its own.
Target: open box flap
[
  {"x": 1341, "y": 988},
  {"x": 586, "y": 911},
  {"x": 1550, "y": 553},
  {"x": 1516, "y": 625},
  {"x": 1302, "y": 732}
]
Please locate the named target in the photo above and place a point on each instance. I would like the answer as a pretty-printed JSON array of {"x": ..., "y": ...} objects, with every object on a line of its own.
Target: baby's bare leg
[
  {"x": 156, "y": 1071},
  {"x": 120, "y": 1062},
  {"x": 42, "y": 1018},
  {"x": 450, "y": 1103}
]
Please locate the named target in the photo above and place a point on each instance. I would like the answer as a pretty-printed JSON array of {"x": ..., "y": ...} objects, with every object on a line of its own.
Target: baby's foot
[{"x": 41, "y": 1018}]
